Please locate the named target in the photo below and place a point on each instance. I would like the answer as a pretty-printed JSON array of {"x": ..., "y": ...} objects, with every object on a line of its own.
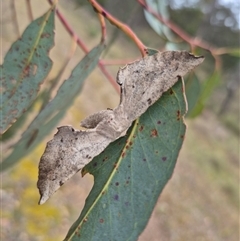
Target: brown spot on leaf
[
  {"x": 164, "y": 158},
  {"x": 26, "y": 71},
  {"x": 101, "y": 220},
  {"x": 171, "y": 92},
  {"x": 154, "y": 133},
  {"x": 105, "y": 158},
  {"x": 178, "y": 115},
  {"x": 115, "y": 165},
  {"x": 45, "y": 35},
  {"x": 141, "y": 128},
  {"x": 35, "y": 69},
  {"x": 159, "y": 122},
  {"x": 123, "y": 154}
]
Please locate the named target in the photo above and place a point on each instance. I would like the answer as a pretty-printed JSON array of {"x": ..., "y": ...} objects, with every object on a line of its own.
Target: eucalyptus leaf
[
  {"x": 55, "y": 109},
  {"x": 25, "y": 67},
  {"x": 206, "y": 91},
  {"x": 161, "y": 7},
  {"x": 193, "y": 90},
  {"x": 132, "y": 172}
]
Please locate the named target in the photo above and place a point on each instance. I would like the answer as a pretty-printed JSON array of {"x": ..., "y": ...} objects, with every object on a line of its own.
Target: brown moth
[{"x": 142, "y": 84}]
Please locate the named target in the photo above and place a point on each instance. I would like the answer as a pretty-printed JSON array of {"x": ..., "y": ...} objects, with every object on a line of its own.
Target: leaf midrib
[
  {"x": 133, "y": 131},
  {"x": 21, "y": 75}
]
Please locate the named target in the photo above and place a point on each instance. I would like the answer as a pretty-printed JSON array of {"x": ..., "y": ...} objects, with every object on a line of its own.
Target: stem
[
  {"x": 103, "y": 27},
  {"x": 183, "y": 35},
  {"x": 84, "y": 48},
  {"x": 126, "y": 29}
]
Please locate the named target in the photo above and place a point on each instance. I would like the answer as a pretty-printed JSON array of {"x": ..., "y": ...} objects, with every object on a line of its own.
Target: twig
[
  {"x": 84, "y": 48},
  {"x": 183, "y": 35},
  {"x": 70, "y": 30},
  {"x": 126, "y": 29},
  {"x": 103, "y": 27}
]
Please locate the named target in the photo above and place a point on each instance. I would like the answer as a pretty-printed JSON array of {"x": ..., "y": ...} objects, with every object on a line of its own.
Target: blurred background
[{"x": 201, "y": 201}]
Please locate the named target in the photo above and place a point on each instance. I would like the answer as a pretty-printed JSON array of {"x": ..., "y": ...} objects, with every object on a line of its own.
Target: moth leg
[{"x": 93, "y": 120}]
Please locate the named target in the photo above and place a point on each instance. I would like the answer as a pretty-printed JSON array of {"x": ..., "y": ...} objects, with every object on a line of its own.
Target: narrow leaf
[
  {"x": 193, "y": 89},
  {"x": 55, "y": 109},
  {"x": 206, "y": 91},
  {"x": 161, "y": 8},
  {"x": 131, "y": 173},
  {"x": 151, "y": 51},
  {"x": 25, "y": 67}
]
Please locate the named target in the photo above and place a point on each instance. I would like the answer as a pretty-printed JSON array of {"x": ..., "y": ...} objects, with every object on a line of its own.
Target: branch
[
  {"x": 84, "y": 48},
  {"x": 103, "y": 27},
  {"x": 125, "y": 28},
  {"x": 183, "y": 35}
]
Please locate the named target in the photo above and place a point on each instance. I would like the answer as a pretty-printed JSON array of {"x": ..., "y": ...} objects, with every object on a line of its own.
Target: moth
[{"x": 142, "y": 83}]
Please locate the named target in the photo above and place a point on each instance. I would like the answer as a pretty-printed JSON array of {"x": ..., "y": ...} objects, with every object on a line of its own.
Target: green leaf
[
  {"x": 55, "y": 109},
  {"x": 151, "y": 51},
  {"x": 131, "y": 173},
  {"x": 16, "y": 126},
  {"x": 177, "y": 46},
  {"x": 192, "y": 89},
  {"x": 161, "y": 8},
  {"x": 206, "y": 92},
  {"x": 25, "y": 67}
]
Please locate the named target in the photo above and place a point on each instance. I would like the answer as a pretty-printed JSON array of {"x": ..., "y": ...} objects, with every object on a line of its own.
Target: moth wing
[
  {"x": 93, "y": 120},
  {"x": 144, "y": 81},
  {"x": 67, "y": 153}
]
